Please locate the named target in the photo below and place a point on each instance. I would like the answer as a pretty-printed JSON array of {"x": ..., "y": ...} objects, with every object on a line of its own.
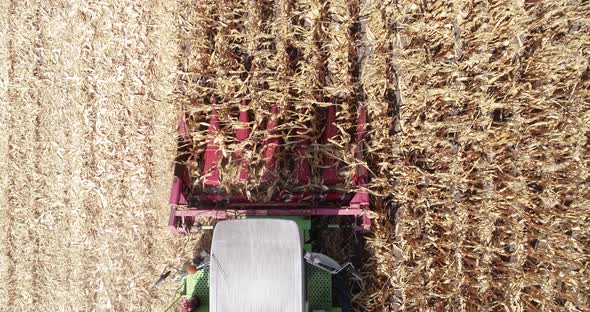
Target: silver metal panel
[{"x": 256, "y": 265}]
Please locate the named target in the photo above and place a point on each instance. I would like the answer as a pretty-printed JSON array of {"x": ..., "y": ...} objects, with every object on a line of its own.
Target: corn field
[{"x": 478, "y": 141}]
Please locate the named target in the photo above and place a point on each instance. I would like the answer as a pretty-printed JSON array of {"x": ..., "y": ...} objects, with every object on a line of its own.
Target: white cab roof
[{"x": 256, "y": 265}]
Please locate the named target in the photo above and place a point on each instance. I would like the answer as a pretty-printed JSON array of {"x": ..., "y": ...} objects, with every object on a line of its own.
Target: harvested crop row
[
  {"x": 82, "y": 135},
  {"x": 22, "y": 261},
  {"x": 5, "y": 255}
]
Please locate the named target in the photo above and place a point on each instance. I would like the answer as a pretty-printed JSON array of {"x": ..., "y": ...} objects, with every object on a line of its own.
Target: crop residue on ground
[{"x": 479, "y": 130}]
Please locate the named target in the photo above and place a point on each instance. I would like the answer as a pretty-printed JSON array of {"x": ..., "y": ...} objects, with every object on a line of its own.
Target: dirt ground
[{"x": 481, "y": 167}]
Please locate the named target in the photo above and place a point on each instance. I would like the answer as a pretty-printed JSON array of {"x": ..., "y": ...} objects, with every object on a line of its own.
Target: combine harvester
[{"x": 261, "y": 254}]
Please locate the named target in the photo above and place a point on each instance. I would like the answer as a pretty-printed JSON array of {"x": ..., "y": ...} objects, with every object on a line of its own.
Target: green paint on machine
[
  {"x": 318, "y": 282},
  {"x": 196, "y": 284}
]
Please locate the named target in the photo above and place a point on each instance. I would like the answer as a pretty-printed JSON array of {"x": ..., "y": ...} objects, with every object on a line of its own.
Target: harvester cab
[
  {"x": 262, "y": 265},
  {"x": 262, "y": 256}
]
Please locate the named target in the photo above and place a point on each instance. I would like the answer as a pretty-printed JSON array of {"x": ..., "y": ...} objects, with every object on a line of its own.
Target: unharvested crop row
[
  {"x": 298, "y": 57},
  {"x": 478, "y": 133},
  {"x": 301, "y": 57},
  {"x": 490, "y": 170}
]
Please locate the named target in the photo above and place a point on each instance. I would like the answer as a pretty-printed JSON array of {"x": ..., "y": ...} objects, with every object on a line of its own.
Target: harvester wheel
[
  {"x": 190, "y": 305},
  {"x": 341, "y": 291}
]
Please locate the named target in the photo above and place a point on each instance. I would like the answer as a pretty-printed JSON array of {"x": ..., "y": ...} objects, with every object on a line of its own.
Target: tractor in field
[{"x": 261, "y": 256}]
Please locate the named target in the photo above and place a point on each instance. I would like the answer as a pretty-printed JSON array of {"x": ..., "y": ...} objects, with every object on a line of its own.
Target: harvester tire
[{"x": 341, "y": 291}]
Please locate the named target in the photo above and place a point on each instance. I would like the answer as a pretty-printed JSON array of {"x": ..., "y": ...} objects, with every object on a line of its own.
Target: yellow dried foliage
[
  {"x": 479, "y": 131},
  {"x": 478, "y": 119}
]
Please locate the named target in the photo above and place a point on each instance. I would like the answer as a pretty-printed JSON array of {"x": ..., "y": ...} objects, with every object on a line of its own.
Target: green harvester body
[{"x": 318, "y": 282}]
